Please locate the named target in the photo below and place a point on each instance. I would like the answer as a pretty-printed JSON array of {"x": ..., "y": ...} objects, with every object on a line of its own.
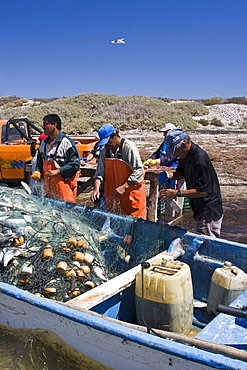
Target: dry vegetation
[
  {"x": 218, "y": 125},
  {"x": 87, "y": 112}
]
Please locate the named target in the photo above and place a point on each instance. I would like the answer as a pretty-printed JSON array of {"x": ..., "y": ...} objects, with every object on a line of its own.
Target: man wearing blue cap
[
  {"x": 159, "y": 156},
  {"x": 121, "y": 173},
  {"x": 202, "y": 183}
]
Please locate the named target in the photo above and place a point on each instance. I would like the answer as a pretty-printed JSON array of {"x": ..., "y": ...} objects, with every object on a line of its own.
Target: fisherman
[
  {"x": 202, "y": 183},
  {"x": 121, "y": 172},
  {"x": 166, "y": 210},
  {"x": 159, "y": 157},
  {"x": 58, "y": 162}
]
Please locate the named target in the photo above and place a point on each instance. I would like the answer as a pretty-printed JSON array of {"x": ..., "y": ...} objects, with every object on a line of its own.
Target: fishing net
[
  {"x": 47, "y": 250},
  {"x": 59, "y": 251}
]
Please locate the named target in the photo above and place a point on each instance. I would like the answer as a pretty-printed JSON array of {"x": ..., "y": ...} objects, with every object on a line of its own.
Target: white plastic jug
[
  {"x": 227, "y": 283},
  {"x": 164, "y": 296}
]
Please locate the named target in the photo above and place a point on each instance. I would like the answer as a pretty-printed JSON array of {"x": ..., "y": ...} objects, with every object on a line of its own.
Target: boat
[{"x": 102, "y": 322}]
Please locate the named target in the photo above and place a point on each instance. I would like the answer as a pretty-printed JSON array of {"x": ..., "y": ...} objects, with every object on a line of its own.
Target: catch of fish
[{"x": 47, "y": 251}]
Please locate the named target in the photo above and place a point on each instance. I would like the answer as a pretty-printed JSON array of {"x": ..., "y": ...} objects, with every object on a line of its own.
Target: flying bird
[{"x": 118, "y": 41}]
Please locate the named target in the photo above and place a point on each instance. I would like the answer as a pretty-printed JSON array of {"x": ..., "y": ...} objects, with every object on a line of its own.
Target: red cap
[{"x": 42, "y": 137}]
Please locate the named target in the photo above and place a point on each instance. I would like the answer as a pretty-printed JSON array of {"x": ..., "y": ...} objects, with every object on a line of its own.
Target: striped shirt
[{"x": 63, "y": 151}]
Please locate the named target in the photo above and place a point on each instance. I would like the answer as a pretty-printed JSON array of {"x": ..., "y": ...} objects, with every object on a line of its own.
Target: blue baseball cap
[
  {"x": 174, "y": 137},
  {"x": 104, "y": 133}
]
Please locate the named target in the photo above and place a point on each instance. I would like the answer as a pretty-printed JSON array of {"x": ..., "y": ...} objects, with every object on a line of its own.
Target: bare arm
[
  {"x": 190, "y": 193},
  {"x": 172, "y": 193},
  {"x": 96, "y": 192}
]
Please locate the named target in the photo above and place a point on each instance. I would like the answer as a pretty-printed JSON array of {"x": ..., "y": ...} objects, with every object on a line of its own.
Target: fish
[
  {"x": 3, "y": 218},
  {"x": 29, "y": 252},
  {"x": 9, "y": 253},
  {"x": 18, "y": 224},
  {"x": 29, "y": 231},
  {"x": 7, "y": 238},
  {"x": 20, "y": 194},
  {"x": 26, "y": 187},
  {"x": 6, "y": 205},
  {"x": 99, "y": 272},
  {"x": 28, "y": 218}
]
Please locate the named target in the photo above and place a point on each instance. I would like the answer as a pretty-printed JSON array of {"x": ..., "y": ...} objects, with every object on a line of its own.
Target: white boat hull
[{"x": 109, "y": 343}]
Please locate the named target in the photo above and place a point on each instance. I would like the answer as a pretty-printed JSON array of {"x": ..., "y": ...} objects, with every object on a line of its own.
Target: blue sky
[{"x": 175, "y": 49}]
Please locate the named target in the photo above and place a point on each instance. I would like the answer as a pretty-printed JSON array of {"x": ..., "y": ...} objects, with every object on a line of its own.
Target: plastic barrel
[
  {"x": 227, "y": 283},
  {"x": 164, "y": 296}
]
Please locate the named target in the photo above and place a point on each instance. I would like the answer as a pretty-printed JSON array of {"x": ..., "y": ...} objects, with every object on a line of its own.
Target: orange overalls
[
  {"x": 58, "y": 188},
  {"x": 133, "y": 201}
]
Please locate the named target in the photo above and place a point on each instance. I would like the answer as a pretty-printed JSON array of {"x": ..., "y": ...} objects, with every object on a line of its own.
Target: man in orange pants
[
  {"x": 121, "y": 172},
  {"x": 58, "y": 162}
]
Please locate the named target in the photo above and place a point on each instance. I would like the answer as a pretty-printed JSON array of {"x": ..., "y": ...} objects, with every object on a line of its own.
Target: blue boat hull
[{"x": 101, "y": 323}]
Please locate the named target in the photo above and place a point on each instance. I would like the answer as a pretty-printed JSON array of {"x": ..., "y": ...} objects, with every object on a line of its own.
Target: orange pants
[
  {"x": 133, "y": 201},
  {"x": 58, "y": 188}
]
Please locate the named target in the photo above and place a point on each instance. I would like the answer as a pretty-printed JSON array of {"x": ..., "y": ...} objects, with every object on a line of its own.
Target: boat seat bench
[{"x": 226, "y": 329}]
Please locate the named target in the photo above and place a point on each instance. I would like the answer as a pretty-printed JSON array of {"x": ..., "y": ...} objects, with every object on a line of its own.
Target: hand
[
  {"x": 36, "y": 176},
  {"x": 51, "y": 173},
  {"x": 95, "y": 195},
  {"x": 83, "y": 163},
  {"x": 168, "y": 193},
  {"x": 120, "y": 190},
  {"x": 163, "y": 177}
]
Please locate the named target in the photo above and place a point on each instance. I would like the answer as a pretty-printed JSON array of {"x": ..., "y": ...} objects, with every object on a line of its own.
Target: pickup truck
[{"x": 18, "y": 143}]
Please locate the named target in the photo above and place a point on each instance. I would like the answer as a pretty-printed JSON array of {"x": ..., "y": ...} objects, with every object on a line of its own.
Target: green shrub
[
  {"x": 203, "y": 122},
  {"x": 239, "y": 100},
  {"x": 8, "y": 105},
  {"x": 244, "y": 124},
  {"x": 8, "y": 99},
  {"x": 15, "y": 103},
  {"x": 167, "y": 100},
  {"x": 19, "y": 102},
  {"x": 216, "y": 122},
  {"x": 44, "y": 100},
  {"x": 215, "y": 100},
  {"x": 87, "y": 112},
  {"x": 192, "y": 108}
]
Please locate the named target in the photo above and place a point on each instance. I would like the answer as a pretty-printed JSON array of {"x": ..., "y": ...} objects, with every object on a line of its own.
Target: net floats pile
[{"x": 57, "y": 272}]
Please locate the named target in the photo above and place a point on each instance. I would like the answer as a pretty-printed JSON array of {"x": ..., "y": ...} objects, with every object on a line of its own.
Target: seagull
[{"x": 118, "y": 41}]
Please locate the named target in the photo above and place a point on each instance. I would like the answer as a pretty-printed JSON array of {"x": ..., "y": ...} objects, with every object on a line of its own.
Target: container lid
[{"x": 227, "y": 264}]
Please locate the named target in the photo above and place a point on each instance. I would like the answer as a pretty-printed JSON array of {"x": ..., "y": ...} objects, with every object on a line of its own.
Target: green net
[
  {"x": 61, "y": 250},
  {"x": 46, "y": 250}
]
